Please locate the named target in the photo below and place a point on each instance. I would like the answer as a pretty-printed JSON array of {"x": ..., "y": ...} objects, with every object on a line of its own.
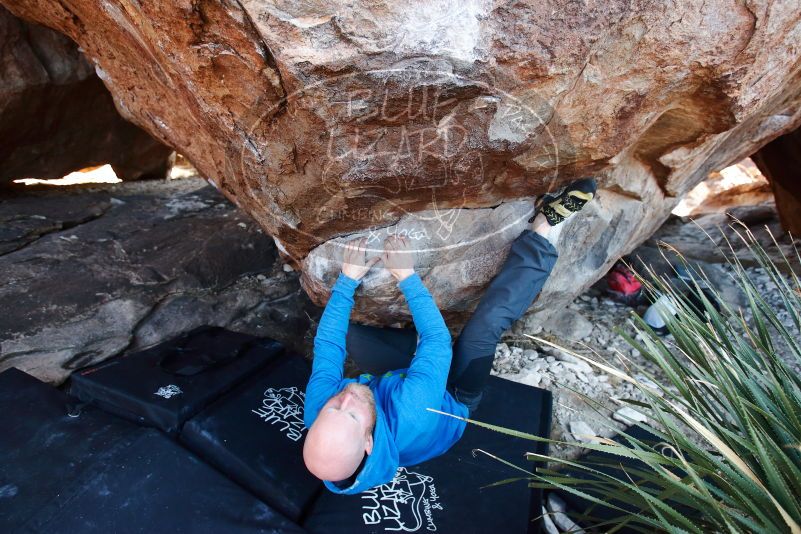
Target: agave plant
[{"x": 725, "y": 417}]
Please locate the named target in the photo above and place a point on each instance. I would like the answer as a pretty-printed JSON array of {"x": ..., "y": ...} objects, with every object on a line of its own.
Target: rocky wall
[
  {"x": 443, "y": 119},
  {"x": 56, "y": 116}
]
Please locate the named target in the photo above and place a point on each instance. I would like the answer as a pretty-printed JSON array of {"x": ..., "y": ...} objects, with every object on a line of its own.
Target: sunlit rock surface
[{"x": 327, "y": 120}]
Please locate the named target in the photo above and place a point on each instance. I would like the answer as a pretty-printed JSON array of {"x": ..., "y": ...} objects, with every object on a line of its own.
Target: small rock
[
  {"x": 569, "y": 324},
  {"x": 650, "y": 384},
  {"x": 555, "y": 504},
  {"x": 547, "y": 523},
  {"x": 558, "y": 507},
  {"x": 583, "y": 377},
  {"x": 546, "y": 383},
  {"x": 261, "y": 278},
  {"x": 582, "y": 431},
  {"x": 538, "y": 364},
  {"x": 629, "y": 415},
  {"x": 565, "y": 357},
  {"x": 288, "y": 268},
  {"x": 576, "y": 363},
  {"x": 530, "y": 378}
]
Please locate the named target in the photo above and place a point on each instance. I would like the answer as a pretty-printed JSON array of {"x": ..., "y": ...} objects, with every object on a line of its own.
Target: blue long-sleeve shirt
[{"x": 405, "y": 433}]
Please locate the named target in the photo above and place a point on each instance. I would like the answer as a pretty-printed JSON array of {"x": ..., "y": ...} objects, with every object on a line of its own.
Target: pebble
[
  {"x": 650, "y": 384},
  {"x": 288, "y": 268},
  {"x": 575, "y": 363},
  {"x": 538, "y": 364},
  {"x": 546, "y": 383},
  {"x": 502, "y": 350},
  {"x": 558, "y": 507},
  {"x": 582, "y": 432},
  {"x": 629, "y": 415},
  {"x": 530, "y": 378},
  {"x": 547, "y": 523}
]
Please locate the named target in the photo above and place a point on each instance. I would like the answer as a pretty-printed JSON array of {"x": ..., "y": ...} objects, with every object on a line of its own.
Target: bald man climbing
[
  {"x": 369, "y": 426},
  {"x": 361, "y": 430}
]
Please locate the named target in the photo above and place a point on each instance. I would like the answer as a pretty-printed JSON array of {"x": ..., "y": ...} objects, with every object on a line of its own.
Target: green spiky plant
[{"x": 726, "y": 415}]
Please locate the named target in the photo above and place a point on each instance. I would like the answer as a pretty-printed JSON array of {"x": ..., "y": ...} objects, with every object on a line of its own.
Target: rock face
[
  {"x": 57, "y": 117},
  {"x": 780, "y": 161},
  {"x": 329, "y": 120},
  {"x": 91, "y": 274}
]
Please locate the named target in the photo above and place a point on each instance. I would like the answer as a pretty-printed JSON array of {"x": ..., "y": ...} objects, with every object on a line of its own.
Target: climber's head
[{"x": 342, "y": 434}]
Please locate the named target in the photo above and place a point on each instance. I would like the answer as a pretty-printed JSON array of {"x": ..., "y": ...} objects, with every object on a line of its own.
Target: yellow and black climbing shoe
[{"x": 572, "y": 199}]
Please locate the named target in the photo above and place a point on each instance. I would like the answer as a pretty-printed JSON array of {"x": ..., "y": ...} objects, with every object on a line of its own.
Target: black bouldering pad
[
  {"x": 448, "y": 493},
  {"x": 167, "y": 384},
  {"x": 255, "y": 436},
  {"x": 44, "y": 448},
  {"x": 68, "y": 468}
]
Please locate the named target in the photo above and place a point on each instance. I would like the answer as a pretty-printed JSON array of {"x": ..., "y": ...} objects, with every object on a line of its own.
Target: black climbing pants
[{"x": 530, "y": 262}]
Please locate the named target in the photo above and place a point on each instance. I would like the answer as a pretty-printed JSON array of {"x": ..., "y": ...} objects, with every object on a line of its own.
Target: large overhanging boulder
[
  {"x": 442, "y": 119},
  {"x": 57, "y": 117}
]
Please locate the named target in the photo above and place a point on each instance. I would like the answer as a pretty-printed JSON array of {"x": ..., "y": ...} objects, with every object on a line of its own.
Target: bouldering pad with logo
[
  {"x": 255, "y": 436},
  {"x": 450, "y": 493},
  {"x": 167, "y": 384},
  {"x": 68, "y": 468}
]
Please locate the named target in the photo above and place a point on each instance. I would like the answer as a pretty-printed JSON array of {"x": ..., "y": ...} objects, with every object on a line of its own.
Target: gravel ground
[
  {"x": 571, "y": 379},
  {"x": 574, "y": 382}
]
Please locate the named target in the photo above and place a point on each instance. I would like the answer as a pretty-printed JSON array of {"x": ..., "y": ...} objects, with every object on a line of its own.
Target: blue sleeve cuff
[
  {"x": 411, "y": 284},
  {"x": 346, "y": 283}
]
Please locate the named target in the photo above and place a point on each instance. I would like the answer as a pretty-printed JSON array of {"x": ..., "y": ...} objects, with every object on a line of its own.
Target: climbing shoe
[{"x": 558, "y": 208}]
